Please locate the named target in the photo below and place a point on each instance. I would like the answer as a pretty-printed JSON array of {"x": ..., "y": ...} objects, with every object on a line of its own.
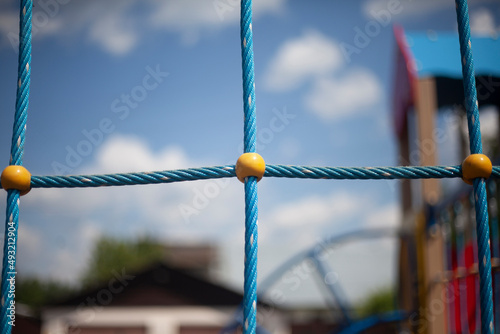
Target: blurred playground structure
[{"x": 442, "y": 286}]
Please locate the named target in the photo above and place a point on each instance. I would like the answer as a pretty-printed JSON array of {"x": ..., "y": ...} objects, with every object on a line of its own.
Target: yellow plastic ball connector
[
  {"x": 474, "y": 166},
  {"x": 250, "y": 164},
  {"x": 16, "y": 177}
]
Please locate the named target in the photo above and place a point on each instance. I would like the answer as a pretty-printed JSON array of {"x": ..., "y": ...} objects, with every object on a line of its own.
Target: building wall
[
  {"x": 110, "y": 330},
  {"x": 152, "y": 320}
]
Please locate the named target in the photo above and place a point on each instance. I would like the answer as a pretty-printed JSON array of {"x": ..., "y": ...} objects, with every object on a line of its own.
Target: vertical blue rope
[
  {"x": 480, "y": 198},
  {"x": 9, "y": 261},
  {"x": 251, "y": 241},
  {"x": 250, "y": 121},
  {"x": 251, "y": 200},
  {"x": 23, "y": 87},
  {"x": 16, "y": 158}
]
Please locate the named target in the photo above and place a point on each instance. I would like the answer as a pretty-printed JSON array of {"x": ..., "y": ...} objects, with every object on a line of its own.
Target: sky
[{"x": 129, "y": 85}]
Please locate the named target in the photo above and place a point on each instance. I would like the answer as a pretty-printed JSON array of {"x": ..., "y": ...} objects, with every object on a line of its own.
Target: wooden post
[
  {"x": 405, "y": 184},
  {"x": 432, "y": 266},
  {"x": 437, "y": 308},
  {"x": 426, "y": 107}
]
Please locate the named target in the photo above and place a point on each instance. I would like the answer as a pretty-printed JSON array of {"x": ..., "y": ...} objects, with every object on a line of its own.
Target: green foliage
[
  {"x": 382, "y": 300},
  {"x": 35, "y": 292},
  {"x": 110, "y": 255}
]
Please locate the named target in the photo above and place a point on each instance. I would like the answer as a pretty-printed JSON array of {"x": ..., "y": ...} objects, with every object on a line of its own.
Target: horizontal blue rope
[
  {"x": 103, "y": 180},
  {"x": 364, "y": 173},
  {"x": 204, "y": 173},
  {"x": 496, "y": 172}
]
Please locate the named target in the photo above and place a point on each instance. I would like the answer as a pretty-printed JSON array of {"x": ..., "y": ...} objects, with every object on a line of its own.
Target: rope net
[{"x": 251, "y": 201}]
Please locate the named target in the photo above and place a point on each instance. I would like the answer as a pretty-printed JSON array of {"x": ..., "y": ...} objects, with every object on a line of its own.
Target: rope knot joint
[
  {"x": 250, "y": 164},
  {"x": 474, "y": 166},
  {"x": 16, "y": 177}
]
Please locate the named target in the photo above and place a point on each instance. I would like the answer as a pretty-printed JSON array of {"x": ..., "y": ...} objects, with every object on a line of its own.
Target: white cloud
[
  {"x": 406, "y": 8},
  {"x": 29, "y": 240},
  {"x": 78, "y": 216},
  {"x": 201, "y": 14},
  {"x": 316, "y": 210},
  {"x": 73, "y": 254},
  {"x": 55, "y": 256},
  {"x": 131, "y": 154},
  {"x": 118, "y": 25},
  {"x": 338, "y": 211},
  {"x": 68, "y": 221},
  {"x": 155, "y": 204},
  {"x": 191, "y": 18},
  {"x": 387, "y": 216},
  {"x": 482, "y": 22},
  {"x": 311, "y": 219},
  {"x": 333, "y": 91},
  {"x": 113, "y": 34},
  {"x": 345, "y": 96},
  {"x": 410, "y": 9},
  {"x": 290, "y": 149},
  {"x": 309, "y": 56},
  {"x": 108, "y": 24}
]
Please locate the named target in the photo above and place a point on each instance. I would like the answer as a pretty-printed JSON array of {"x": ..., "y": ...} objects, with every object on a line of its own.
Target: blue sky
[{"x": 120, "y": 86}]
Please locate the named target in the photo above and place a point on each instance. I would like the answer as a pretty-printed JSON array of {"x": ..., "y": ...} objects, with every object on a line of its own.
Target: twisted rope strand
[
  {"x": 9, "y": 261},
  {"x": 23, "y": 84},
  {"x": 251, "y": 242},
  {"x": 104, "y": 180},
  {"x": 16, "y": 158},
  {"x": 481, "y": 202},
  {"x": 227, "y": 171},
  {"x": 249, "y": 106},
  {"x": 363, "y": 173},
  {"x": 250, "y": 143},
  {"x": 251, "y": 198}
]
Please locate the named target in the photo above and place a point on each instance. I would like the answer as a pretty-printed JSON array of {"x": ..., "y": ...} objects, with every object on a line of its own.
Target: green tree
[
  {"x": 110, "y": 254},
  {"x": 380, "y": 301},
  {"x": 35, "y": 292}
]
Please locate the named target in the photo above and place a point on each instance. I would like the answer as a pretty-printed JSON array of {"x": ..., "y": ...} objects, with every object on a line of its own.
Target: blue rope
[
  {"x": 363, "y": 173},
  {"x": 250, "y": 143},
  {"x": 251, "y": 198},
  {"x": 17, "y": 150},
  {"x": 9, "y": 261},
  {"x": 23, "y": 88},
  {"x": 481, "y": 202},
  {"x": 124, "y": 179},
  {"x": 249, "y": 106},
  {"x": 251, "y": 242},
  {"x": 495, "y": 172},
  {"x": 331, "y": 241},
  {"x": 205, "y": 173}
]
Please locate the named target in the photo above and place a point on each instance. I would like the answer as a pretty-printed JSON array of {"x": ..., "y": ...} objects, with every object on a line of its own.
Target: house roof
[
  {"x": 158, "y": 285},
  {"x": 437, "y": 55}
]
